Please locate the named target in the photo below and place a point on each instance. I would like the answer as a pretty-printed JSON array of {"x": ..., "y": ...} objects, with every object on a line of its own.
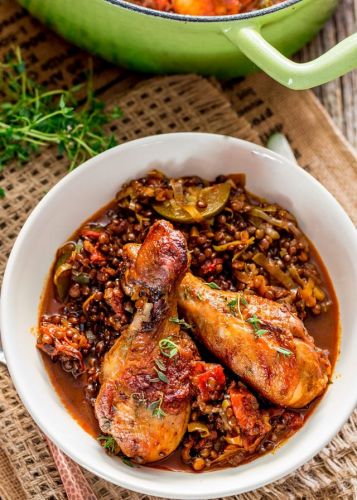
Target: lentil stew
[
  {"x": 206, "y": 7},
  {"x": 237, "y": 242}
]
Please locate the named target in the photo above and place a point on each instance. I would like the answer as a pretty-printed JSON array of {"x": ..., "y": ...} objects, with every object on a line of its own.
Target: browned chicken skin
[
  {"x": 260, "y": 340},
  {"x": 144, "y": 400}
]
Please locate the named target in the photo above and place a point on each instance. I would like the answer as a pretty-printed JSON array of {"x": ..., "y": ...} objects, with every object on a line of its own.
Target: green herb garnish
[
  {"x": 199, "y": 296},
  {"x": 108, "y": 443},
  {"x": 233, "y": 303},
  {"x": 260, "y": 332},
  {"x": 127, "y": 461},
  {"x": 32, "y": 118},
  {"x": 180, "y": 322},
  {"x": 284, "y": 351},
  {"x": 168, "y": 348},
  {"x": 160, "y": 365},
  {"x": 161, "y": 376},
  {"x": 213, "y": 285},
  {"x": 161, "y": 368},
  {"x": 156, "y": 410},
  {"x": 243, "y": 300},
  {"x": 139, "y": 397},
  {"x": 256, "y": 322}
]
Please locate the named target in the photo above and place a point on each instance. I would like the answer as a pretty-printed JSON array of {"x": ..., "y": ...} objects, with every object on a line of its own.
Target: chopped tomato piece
[
  {"x": 246, "y": 410},
  {"x": 210, "y": 267},
  {"x": 95, "y": 256},
  {"x": 208, "y": 378}
]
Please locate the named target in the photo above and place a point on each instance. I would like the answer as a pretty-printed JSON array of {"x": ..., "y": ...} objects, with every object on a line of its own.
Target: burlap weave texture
[{"x": 250, "y": 109}]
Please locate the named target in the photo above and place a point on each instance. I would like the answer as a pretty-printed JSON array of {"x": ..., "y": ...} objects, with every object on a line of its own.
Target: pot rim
[{"x": 201, "y": 19}]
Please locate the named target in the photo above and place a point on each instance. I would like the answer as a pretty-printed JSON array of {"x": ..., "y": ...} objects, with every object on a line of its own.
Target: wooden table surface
[{"x": 340, "y": 96}]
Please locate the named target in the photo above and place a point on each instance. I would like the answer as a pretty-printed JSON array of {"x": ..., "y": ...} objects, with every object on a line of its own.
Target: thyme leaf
[
  {"x": 155, "y": 408},
  {"x": 260, "y": 332},
  {"x": 108, "y": 443},
  {"x": 160, "y": 365},
  {"x": 127, "y": 461},
  {"x": 283, "y": 351},
  {"x": 161, "y": 376},
  {"x": 256, "y": 322},
  {"x": 180, "y": 322},
  {"x": 233, "y": 303},
  {"x": 168, "y": 348},
  {"x": 213, "y": 285}
]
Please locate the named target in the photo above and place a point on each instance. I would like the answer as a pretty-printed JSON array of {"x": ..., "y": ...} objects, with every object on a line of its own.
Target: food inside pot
[
  {"x": 207, "y": 7},
  {"x": 189, "y": 324}
]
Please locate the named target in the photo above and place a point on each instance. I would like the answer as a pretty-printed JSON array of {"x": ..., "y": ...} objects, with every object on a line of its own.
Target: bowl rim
[
  {"x": 202, "y": 19},
  {"x": 38, "y": 415}
]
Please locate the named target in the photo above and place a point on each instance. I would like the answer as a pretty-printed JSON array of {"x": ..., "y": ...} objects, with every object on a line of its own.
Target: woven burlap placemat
[{"x": 250, "y": 109}]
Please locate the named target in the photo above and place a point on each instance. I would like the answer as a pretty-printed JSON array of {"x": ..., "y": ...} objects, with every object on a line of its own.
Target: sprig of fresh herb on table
[{"x": 32, "y": 118}]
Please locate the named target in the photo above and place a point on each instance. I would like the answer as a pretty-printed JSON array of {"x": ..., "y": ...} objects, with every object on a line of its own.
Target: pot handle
[{"x": 298, "y": 76}]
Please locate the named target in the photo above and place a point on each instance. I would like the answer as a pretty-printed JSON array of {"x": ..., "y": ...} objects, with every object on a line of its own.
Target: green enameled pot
[{"x": 225, "y": 46}]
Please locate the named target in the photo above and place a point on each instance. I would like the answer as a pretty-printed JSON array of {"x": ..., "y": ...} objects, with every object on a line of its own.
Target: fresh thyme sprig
[
  {"x": 108, "y": 443},
  {"x": 32, "y": 118},
  {"x": 168, "y": 348},
  {"x": 180, "y": 322},
  {"x": 156, "y": 409},
  {"x": 283, "y": 351},
  {"x": 256, "y": 322},
  {"x": 160, "y": 369},
  {"x": 213, "y": 285},
  {"x": 235, "y": 303}
]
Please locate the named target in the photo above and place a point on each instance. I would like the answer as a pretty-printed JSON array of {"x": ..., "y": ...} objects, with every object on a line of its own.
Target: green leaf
[
  {"x": 62, "y": 103},
  {"x": 2, "y": 192},
  {"x": 32, "y": 118},
  {"x": 108, "y": 442},
  {"x": 213, "y": 285},
  {"x": 284, "y": 351},
  {"x": 20, "y": 67},
  {"x": 160, "y": 365},
  {"x": 254, "y": 320},
  {"x": 152, "y": 406},
  {"x": 233, "y": 303},
  {"x": 260, "y": 332},
  {"x": 180, "y": 322},
  {"x": 127, "y": 461},
  {"x": 155, "y": 408},
  {"x": 116, "y": 113},
  {"x": 168, "y": 348},
  {"x": 162, "y": 376}
]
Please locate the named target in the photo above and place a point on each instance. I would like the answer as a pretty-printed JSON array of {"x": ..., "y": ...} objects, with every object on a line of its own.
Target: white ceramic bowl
[{"x": 89, "y": 188}]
